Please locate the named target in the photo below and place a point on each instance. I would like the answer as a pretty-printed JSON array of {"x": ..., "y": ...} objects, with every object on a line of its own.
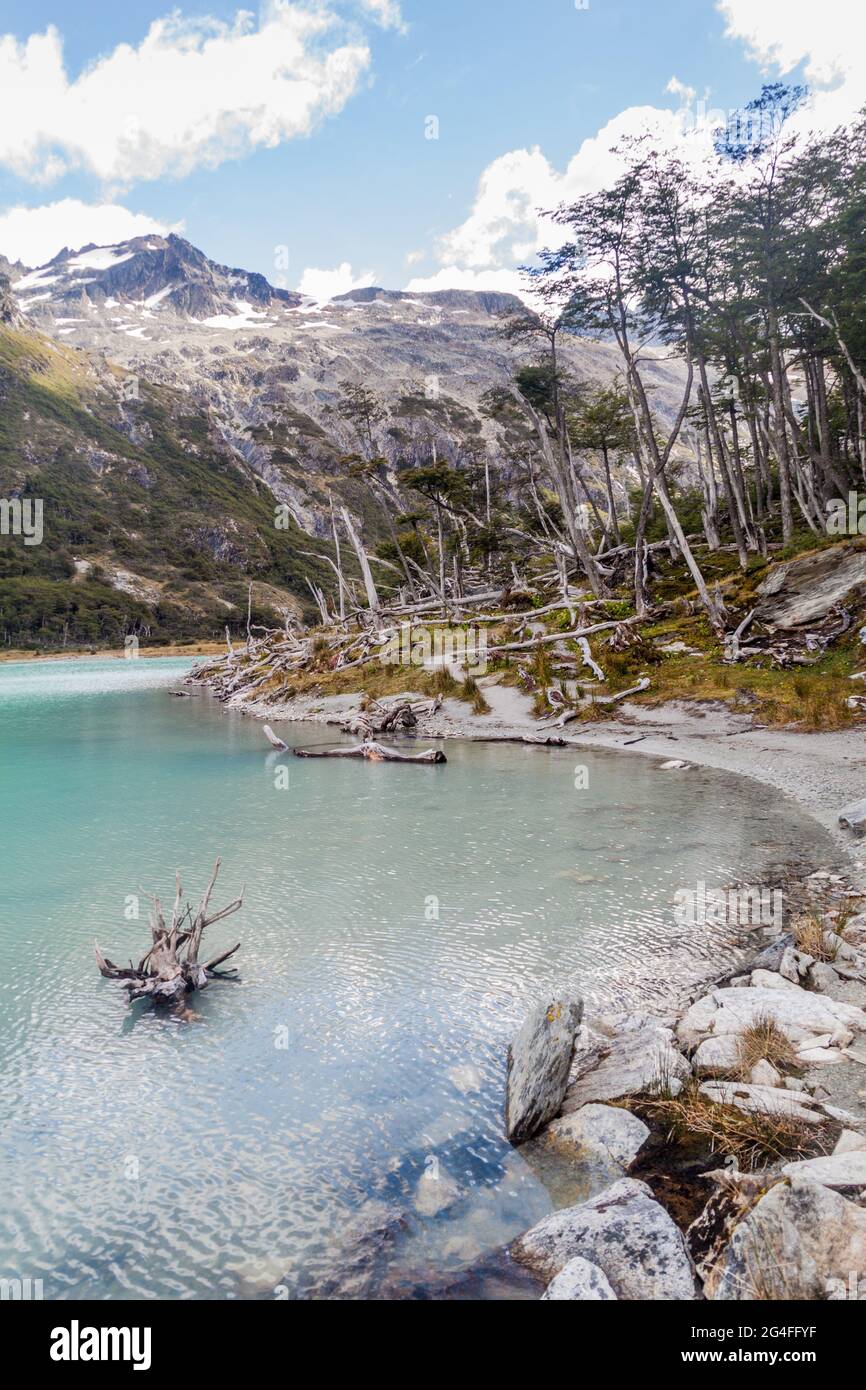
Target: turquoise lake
[{"x": 398, "y": 922}]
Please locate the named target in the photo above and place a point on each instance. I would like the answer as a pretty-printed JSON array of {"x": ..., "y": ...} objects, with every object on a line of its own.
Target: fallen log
[
  {"x": 373, "y": 752},
  {"x": 170, "y": 969}
]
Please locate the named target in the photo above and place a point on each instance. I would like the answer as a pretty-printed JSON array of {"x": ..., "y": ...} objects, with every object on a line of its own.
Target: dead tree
[
  {"x": 373, "y": 752},
  {"x": 171, "y": 969}
]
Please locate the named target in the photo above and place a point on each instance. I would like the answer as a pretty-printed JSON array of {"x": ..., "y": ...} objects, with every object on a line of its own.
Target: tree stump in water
[{"x": 170, "y": 969}]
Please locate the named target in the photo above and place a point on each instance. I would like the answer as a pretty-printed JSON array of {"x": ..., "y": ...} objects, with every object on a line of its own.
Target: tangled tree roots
[{"x": 170, "y": 970}]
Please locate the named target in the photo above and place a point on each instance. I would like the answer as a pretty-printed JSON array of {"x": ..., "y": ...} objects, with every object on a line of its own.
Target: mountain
[{"x": 133, "y": 372}]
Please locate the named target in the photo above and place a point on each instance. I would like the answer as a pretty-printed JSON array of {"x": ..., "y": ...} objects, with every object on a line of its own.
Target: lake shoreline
[{"x": 815, "y": 769}]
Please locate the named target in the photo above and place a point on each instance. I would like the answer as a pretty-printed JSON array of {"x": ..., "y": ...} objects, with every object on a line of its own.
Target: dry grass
[
  {"x": 752, "y": 1139},
  {"x": 471, "y": 691},
  {"x": 810, "y": 936},
  {"x": 762, "y": 1041}
]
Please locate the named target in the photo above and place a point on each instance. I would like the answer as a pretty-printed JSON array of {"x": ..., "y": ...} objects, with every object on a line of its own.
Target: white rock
[
  {"x": 673, "y": 765},
  {"x": 819, "y": 1056},
  {"x": 717, "y": 1056},
  {"x": 579, "y": 1281},
  {"x": 797, "y": 1013},
  {"x": 850, "y": 1142},
  {"x": 635, "y": 1062},
  {"x": 603, "y": 1131},
  {"x": 824, "y": 1040},
  {"x": 797, "y": 1242},
  {"x": 836, "y": 1170},
  {"x": 626, "y": 1233},
  {"x": 822, "y": 976},
  {"x": 768, "y": 1100},
  {"x": 768, "y": 979},
  {"x": 763, "y": 1073}
]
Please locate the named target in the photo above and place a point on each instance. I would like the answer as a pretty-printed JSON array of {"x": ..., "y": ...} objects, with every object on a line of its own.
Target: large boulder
[
  {"x": 579, "y": 1281},
  {"x": 798, "y": 1013},
  {"x": 539, "y": 1061},
  {"x": 839, "y": 1170},
  {"x": 634, "y": 1063},
  {"x": 626, "y": 1233},
  {"x": 599, "y": 1132},
  {"x": 797, "y": 1242},
  {"x": 805, "y": 589}
]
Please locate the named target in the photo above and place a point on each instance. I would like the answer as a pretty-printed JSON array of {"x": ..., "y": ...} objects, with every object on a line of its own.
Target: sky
[{"x": 405, "y": 143}]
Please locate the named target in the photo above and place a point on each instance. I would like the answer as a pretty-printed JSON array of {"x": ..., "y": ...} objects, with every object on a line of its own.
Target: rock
[
  {"x": 850, "y": 1142},
  {"x": 766, "y": 979},
  {"x": 466, "y": 1078},
  {"x": 674, "y": 765},
  {"x": 822, "y": 976},
  {"x": 740, "y": 982},
  {"x": 436, "y": 1191},
  {"x": 763, "y": 1073},
  {"x": 793, "y": 1243},
  {"x": 626, "y": 1233},
  {"x": 733, "y": 1194},
  {"x": 768, "y": 1100},
  {"x": 602, "y": 1130},
  {"x": 539, "y": 1061},
  {"x": 797, "y": 1013},
  {"x": 818, "y": 1056},
  {"x": 835, "y": 1170},
  {"x": 635, "y": 1063},
  {"x": 805, "y": 589},
  {"x": 794, "y": 965},
  {"x": 579, "y": 1281},
  {"x": 771, "y": 956},
  {"x": 794, "y": 1083},
  {"x": 717, "y": 1056}
]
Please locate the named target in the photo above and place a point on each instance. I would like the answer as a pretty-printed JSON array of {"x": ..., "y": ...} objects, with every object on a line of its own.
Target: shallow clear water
[{"x": 264, "y": 1144}]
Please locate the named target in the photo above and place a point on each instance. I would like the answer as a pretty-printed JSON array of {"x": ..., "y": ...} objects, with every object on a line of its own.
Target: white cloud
[
  {"x": 829, "y": 38},
  {"x": 504, "y": 228},
  {"x": 323, "y": 285},
  {"x": 455, "y": 277},
  {"x": 387, "y": 13},
  {"x": 35, "y": 235},
  {"x": 194, "y": 92}
]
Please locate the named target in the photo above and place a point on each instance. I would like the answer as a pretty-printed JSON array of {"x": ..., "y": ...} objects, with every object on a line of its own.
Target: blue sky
[{"x": 365, "y": 189}]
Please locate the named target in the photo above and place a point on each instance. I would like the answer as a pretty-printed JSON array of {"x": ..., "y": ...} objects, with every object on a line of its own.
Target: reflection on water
[{"x": 398, "y": 922}]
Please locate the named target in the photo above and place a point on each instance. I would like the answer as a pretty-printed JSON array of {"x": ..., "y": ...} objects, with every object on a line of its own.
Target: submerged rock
[
  {"x": 579, "y": 1281},
  {"x": 626, "y": 1233},
  {"x": 436, "y": 1191},
  {"x": 599, "y": 1131},
  {"x": 796, "y": 1242},
  {"x": 539, "y": 1061}
]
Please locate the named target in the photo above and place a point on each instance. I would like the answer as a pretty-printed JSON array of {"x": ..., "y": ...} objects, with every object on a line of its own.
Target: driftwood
[
  {"x": 171, "y": 969},
  {"x": 373, "y": 752},
  {"x": 273, "y": 740}
]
